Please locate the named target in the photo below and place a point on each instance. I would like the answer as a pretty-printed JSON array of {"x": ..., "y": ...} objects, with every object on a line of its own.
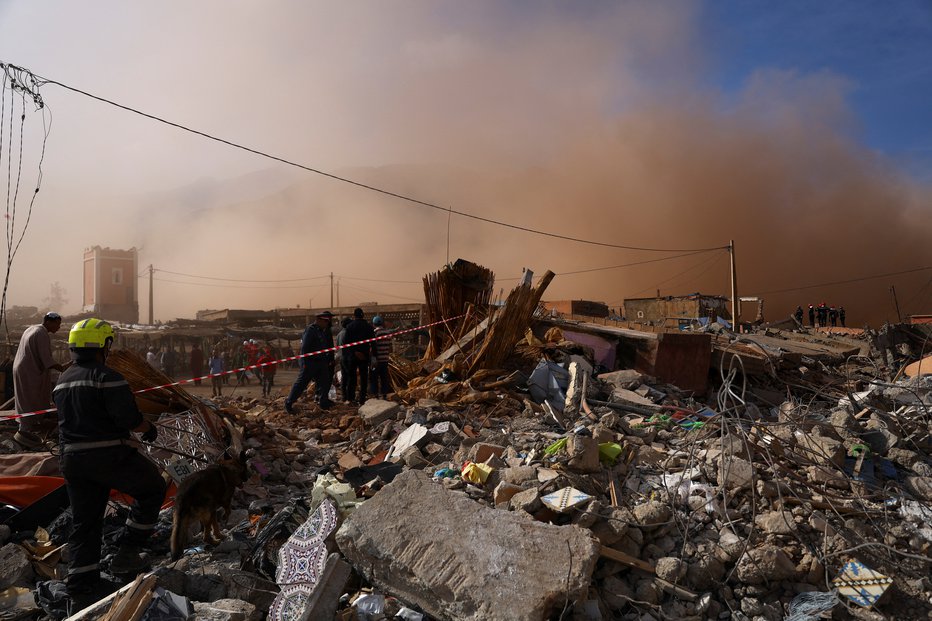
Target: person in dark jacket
[
  {"x": 358, "y": 331},
  {"x": 319, "y": 368},
  {"x": 96, "y": 413},
  {"x": 811, "y": 316},
  {"x": 841, "y": 315},
  {"x": 799, "y": 315}
]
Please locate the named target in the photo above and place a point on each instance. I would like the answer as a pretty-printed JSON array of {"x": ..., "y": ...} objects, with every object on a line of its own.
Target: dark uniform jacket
[
  {"x": 359, "y": 330},
  {"x": 315, "y": 339},
  {"x": 94, "y": 404}
]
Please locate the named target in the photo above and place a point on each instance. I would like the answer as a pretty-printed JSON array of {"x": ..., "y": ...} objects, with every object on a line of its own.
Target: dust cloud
[{"x": 592, "y": 124}]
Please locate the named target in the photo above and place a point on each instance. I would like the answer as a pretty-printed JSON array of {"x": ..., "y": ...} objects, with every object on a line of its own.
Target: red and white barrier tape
[{"x": 257, "y": 366}]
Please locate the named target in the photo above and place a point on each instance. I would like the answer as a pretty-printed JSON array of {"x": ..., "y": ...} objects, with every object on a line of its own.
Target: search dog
[{"x": 200, "y": 495}]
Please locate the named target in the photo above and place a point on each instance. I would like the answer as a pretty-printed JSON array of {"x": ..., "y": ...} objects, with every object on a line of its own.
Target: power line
[
  {"x": 241, "y": 279},
  {"x": 850, "y": 280},
  {"x": 254, "y": 287},
  {"x": 372, "y": 188}
]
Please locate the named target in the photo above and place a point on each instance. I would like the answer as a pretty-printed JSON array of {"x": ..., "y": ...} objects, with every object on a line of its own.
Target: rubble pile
[{"x": 546, "y": 486}]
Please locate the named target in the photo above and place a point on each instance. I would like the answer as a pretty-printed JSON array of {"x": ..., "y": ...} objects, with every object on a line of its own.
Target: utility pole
[
  {"x": 338, "y": 294},
  {"x": 735, "y": 304},
  {"x": 896, "y": 304},
  {"x": 151, "y": 322},
  {"x": 331, "y": 289}
]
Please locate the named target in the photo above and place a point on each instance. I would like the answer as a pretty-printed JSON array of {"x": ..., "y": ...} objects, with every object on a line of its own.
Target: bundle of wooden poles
[{"x": 464, "y": 361}]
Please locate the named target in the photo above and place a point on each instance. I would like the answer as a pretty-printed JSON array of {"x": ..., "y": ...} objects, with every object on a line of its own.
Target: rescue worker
[
  {"x": 811, "y": 316},
  {"x": 96, "y": 413},
  {"x": 358, "y": 330},
  {"x": 799, "y": 315},
  {"x": 841, "y": 315},
  {"x": 823, "y": 314},
  {"x": 833, "y": 316},
  {"x": 318, "y": 369}
]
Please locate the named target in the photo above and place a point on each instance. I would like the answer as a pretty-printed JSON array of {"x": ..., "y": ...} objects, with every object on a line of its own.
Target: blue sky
[{"x": 882, "y": 48}]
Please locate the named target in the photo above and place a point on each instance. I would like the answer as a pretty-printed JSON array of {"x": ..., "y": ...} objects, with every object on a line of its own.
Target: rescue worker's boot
[{"x": 128, "y": 561}]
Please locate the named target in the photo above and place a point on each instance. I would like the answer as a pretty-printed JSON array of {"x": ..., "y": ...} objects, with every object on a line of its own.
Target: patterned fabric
[{"x": 301, "y": 561}]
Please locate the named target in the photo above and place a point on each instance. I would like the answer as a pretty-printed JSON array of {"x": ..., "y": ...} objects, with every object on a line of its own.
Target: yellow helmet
[{"x": 90, "y": 333}]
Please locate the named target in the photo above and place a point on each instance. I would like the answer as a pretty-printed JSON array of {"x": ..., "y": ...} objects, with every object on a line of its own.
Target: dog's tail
[{"x": 179, "y": 530}]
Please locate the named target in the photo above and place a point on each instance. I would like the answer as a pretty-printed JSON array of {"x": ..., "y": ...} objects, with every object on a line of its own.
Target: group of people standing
[
  {"x": 822, "y": 314},
  {"x": 359, "y": 352}
]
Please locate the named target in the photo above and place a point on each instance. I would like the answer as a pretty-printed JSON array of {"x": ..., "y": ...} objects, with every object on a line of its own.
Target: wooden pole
[
  {"x": 331, "y": 289},
  {"x": 151, "y": 322},
  {"x": 735, "y": 304}
]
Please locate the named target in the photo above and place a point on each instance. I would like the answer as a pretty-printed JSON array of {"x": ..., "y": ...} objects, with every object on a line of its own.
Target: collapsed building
[{"x": 532, "y": 466}]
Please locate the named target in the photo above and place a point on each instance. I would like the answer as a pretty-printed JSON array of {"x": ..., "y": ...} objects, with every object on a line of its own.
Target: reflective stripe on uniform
[
  {"x": 90, "y": 384},
  {"x": 83, "y": 569},
  {"x": 84, "y": 446},
  {"x": 138, "y": 526}
]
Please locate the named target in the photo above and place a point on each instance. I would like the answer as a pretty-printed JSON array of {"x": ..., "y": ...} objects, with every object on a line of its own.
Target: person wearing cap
[
  {"x": 358, "y": 331},
  {"x": 319, "y": 368},
  {"x": 380, "y": 383},
  {"x": 32, "y": 377},
  {"x": 96, "y": 413}
]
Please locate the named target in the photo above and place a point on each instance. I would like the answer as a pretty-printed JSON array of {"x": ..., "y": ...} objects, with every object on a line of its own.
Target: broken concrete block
[
  {"x": 670, "y": 569},
  {"x": 413, "y": 436},
  {"x": 325, "y": 598},
  {"x": 651, "y": 515},
  {"x": 583, "y": 453},
  {"x": 776, "y": 522},
  {"x": 349, "y": 460},
  {"x": 410, "y": 540},
  {"x": 414, "y": 458},
  {"x": 920, "y": 487},
  {"x": 624, "y": 378},
  {"x": 579, "y": 377},
  {"x": 504, "y": 492},
  {"x": 481, "y": 451},
  {"x": 528, "y": 500},
  {"x": 226, "y": 610},
  {"x": 331, "y": 436},
  {"x": 821, "y": 449},
  {"x": 735, "y": 473},
  {"x": 765, "y": 564},
  {"x": 15, "y": 567},
  {"x": 376, "y": 411},
  {"x": 519, "y": 475}
]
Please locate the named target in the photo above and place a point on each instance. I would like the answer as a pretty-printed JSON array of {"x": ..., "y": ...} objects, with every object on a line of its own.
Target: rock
[
  {"x": 204, "y": 586},
  {"x": 776, "y": 522},
  {"x": 671, "y": 569},
  {"x": 482, "y": 451},
  {"x": 624, "y": 378},
  {"x": 349, "y": 460},
  {"x": 765, "y": 564},
  {"x": 821, "y": 449},
  {"x": 226, "y": 610},
  {"x": 583, "y": 453},
  {"x": 616, "y": 593},
  {"x": 528, "y": 500},
  {"x": 428, "y": 404},
  {"x": 4, "y": 533},
  {"x": 504, "y": 492},
  {"x": 413, "y": 458},
  {"x": 376, "y": 411},
  {"x": 331, "y": 436},
  {"x": 519, "y": 475},
  {"x": 735, "y": 473},
  {"x": 705, "y": 572},
  {"x": 15, "y": 567},
  {"x": 411, "y": 541},
  {"x": 921, "y": 487},
  {"x": 880, "y": 440},
  {"x": 651, "y": 515}
]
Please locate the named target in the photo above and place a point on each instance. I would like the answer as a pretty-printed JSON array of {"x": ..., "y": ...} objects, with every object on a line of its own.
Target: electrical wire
[
  {"x": 241, "y": 279},
  {"x": 850, "y": 280},
  {"x": 365, "y": 186},
  {"x": 205, "y": 284}
]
